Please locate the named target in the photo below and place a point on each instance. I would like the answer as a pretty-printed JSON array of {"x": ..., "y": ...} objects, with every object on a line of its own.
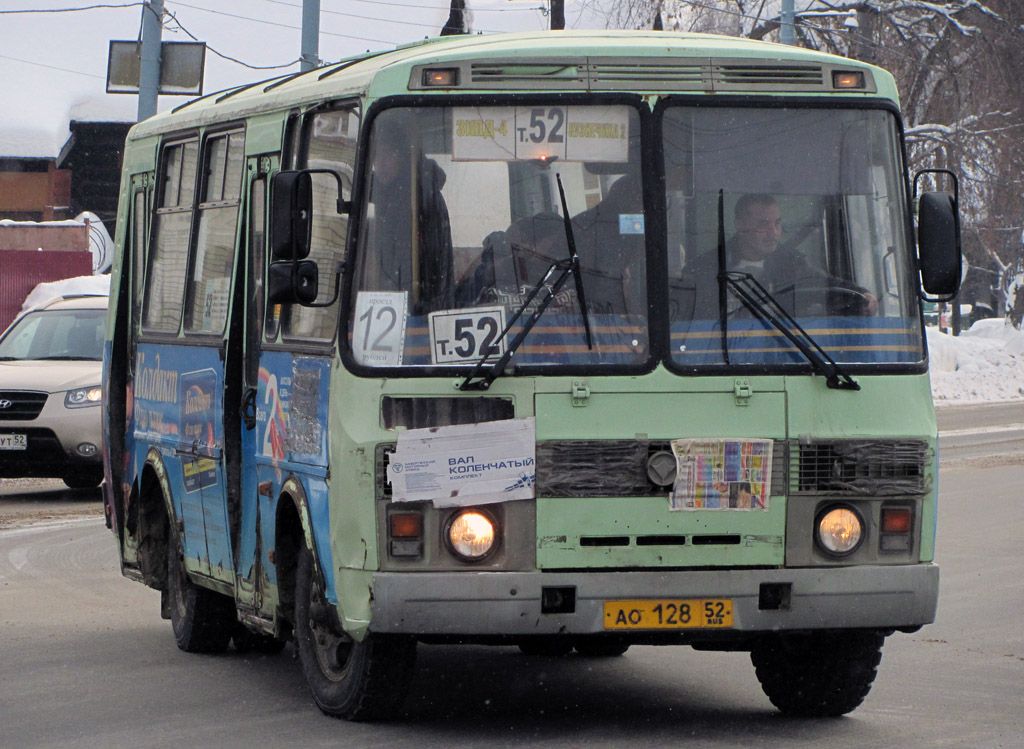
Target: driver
[{"x": 754, "y": 249}]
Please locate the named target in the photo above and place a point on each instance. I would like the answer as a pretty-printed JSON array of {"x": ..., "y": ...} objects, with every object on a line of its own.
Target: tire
[
  {"x": 365, "y": 680},
  {"x": 83, "y": 480},
  {"x": 824, "y": 674},
  {"x": 203, "y": 621},
  {"x": 546, "y": 647},
  {"x": 601, "y": 647}
]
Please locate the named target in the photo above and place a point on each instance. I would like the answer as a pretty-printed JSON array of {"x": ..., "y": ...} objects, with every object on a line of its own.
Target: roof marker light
[
  {"x": 441, "y": 77},
  {"x": 848, "y": 79}
]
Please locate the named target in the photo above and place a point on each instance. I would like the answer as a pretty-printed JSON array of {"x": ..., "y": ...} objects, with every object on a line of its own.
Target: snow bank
[{"x": 984, "y": 364}]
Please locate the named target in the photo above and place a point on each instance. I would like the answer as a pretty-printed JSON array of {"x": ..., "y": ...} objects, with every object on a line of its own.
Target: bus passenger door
[
  {"x": 250, "y": 561},
  {"x": 208, "y": 381}
]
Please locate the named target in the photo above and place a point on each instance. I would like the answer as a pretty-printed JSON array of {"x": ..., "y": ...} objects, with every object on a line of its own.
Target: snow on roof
[{"x": 77, "y": 286}]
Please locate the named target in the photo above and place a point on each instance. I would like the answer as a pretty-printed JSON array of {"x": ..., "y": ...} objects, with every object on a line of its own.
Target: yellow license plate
[{"x": 669, "y": 613}]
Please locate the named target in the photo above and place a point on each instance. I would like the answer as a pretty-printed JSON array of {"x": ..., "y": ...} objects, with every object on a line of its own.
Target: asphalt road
[{"x": 87, "y": 661}]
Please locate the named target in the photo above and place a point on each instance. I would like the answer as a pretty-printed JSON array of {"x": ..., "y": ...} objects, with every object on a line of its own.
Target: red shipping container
[{"x": 21, "y": 270}]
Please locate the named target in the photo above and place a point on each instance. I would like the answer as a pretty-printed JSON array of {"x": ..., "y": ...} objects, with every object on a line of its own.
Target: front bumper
[
  {"x": 53, "y": 438},
  {"x": 509, "y": 603}
]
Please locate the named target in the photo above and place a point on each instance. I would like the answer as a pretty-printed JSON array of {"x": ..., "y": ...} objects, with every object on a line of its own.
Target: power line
[
  {"x": 192, "y": 36},
  {"x": 53, "y": 67},
  {"x": 70, "y": 10},
  {"x": 280, "y": 25}
]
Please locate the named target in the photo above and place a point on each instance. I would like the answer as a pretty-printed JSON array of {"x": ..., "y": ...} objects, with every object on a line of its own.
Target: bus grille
[
  {"x": 595, "y": 468},
  {"x": 24, "y": 405},
  {"x": 854, "y": 468}
]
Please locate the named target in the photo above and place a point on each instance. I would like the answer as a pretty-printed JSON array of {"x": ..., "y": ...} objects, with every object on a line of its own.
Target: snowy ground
[{"x": 984, "y": 364}]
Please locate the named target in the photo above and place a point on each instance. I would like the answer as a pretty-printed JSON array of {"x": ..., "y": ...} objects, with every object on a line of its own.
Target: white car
[{"x": 51, "y": 360}]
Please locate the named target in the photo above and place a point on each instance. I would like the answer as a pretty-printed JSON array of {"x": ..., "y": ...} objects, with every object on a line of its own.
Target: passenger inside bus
[
  {"x": 410, "y": 232},
  {"x": 611, "y": 256},
  {"x": 755, "y": 249}
]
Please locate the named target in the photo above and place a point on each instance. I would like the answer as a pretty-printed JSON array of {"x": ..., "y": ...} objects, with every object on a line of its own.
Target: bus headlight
[
  {"x": 840, "y": 530},
  {"x": 471, "y": 535}
]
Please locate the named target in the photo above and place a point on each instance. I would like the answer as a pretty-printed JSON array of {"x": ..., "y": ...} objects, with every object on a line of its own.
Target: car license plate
[
  {"x": 13, "y": 442},
  {"x": 669, "y": 613}
]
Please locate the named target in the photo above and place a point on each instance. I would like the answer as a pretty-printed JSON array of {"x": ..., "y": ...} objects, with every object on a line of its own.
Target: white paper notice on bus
[
  {"x": 722, "y": 474},
  {"x": 466, "y": 464},
  {"x": 378, "y": 336},
  {"x": 544, "y": 133}
]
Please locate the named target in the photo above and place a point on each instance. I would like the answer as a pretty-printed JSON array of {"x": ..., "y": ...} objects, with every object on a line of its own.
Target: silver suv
[{"x": 51, "y": 360}]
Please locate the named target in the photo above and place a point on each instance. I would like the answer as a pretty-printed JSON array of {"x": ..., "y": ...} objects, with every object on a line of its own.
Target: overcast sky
[{"x": 54, "y": 64}]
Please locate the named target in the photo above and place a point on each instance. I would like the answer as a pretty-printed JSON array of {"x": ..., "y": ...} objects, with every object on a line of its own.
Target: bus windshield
[
  {"x": 809, "y": 204},
  {"x": 462, "y": 218}
]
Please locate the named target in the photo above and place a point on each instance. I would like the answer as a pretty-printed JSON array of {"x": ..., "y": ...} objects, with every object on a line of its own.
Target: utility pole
[
  {"x": 149, "y": 57},
  {"x": 557, "y": 15},
  {"x": 786, "y": 27},
  {"x": 310, "y": 35}
]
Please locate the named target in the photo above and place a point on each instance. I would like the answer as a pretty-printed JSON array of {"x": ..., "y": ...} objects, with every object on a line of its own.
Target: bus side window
[
  {"x": 331, "y": 139},
  {"x": 165, "y": 279},
  {"x": 138, "y": 254},
  {"x": 210, "y": 275},
  {"x": 257, "y": 255}
]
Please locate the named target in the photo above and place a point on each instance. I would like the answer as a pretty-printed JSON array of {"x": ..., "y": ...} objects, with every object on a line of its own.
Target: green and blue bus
[{"x": 569, "y": 341}]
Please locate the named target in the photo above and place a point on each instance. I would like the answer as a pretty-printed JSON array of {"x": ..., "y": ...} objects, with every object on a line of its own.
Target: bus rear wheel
[
  {"x": 365, "y": 680},
  {"x": 820, "y": 674},
  {"x": 203, "y": 621}
]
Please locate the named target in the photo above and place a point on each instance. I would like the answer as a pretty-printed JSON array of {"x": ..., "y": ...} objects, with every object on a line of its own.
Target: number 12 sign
[{"x": 378, "y": 336}]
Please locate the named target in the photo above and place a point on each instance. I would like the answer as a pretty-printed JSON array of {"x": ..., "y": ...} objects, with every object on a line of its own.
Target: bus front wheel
[
  {"x": 203, "y": 621},
  {"x": 365, "y": 680},
  {"x": 819, "y": 674}
]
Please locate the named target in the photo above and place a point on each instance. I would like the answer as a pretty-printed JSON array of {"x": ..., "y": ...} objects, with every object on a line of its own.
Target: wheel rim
[
  {"x": 332, "y": 650},
  {"x": 178, "y": 582}
]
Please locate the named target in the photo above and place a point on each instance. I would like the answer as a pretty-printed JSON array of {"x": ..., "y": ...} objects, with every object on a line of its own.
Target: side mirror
[
  {"x": 291, "y": 282},
  {"x": 938, "y": 244},
  {"x": 938, "y": 239},
  {"x": 291, "y": 215}
]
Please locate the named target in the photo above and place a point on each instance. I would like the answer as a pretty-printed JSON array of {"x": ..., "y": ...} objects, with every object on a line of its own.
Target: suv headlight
[{"x": 83, "y": 397}]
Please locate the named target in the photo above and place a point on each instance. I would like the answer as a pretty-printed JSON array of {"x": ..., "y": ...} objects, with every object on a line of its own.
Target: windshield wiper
[
  {"x": 566, "y": 267},
  {"x": 723, "y": 290},
  {"x": 570, "y": 239},
  {"x": 570, "y": 265},
  {"x": 766, "y": 308}
]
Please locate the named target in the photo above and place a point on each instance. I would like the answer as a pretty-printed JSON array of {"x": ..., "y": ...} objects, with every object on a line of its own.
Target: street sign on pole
[{"x": 181, "y": 68}]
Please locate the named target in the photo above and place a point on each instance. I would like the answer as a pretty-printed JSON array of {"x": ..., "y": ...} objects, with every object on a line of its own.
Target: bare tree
[{"x": 959, "y": 67}]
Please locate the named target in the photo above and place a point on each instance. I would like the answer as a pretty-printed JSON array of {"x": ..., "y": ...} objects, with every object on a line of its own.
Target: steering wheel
[{"x": 815, "y": 297}]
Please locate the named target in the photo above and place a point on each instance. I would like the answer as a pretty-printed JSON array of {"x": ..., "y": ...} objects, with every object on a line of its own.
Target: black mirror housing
[
  {"x": 938, "y": 244},
  {"x": 291, "y": 215},
  {"x": 293, "y": 282}
]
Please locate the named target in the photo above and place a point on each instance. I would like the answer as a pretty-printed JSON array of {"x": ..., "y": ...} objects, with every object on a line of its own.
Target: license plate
[
  {"x": 13, "y": 442},
  {"x": 669, "y": 613}
]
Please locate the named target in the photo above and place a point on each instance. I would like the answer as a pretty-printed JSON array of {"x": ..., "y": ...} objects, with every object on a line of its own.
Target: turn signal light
[
  {"x": 406, "y": 525},
  {"x": 896, "y": 520}
]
